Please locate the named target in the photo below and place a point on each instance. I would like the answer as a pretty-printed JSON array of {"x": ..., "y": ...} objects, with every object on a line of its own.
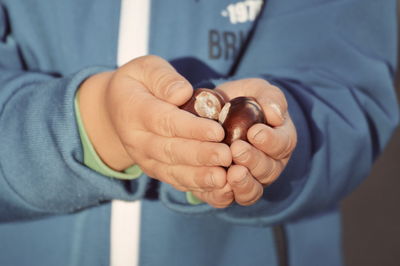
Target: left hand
[{"x": 260, "y": 162}]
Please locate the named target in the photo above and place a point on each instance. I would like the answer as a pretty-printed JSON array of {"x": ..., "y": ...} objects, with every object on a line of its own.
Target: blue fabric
[
  {"x": 334, "y": 60},
  {"x": 41, "y": 165},
  {"x": 76, "y": 239}
]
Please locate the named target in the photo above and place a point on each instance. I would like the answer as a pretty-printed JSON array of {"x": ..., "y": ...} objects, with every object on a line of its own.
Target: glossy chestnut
[{"x": 237, "y": 116}]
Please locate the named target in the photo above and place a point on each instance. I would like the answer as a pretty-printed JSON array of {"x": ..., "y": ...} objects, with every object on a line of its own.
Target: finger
[
  {"x": 220, "y": 198},
  {"x": 271, "y": 98},
  {"x": 170, "y": 121},
  {"x": 246, "y": 189},
  {"x": 186, "y": 178},
  {"x": 278, "y": 142},
  {"x": 265, "y": 169},
  {"x": 181, "y": 151},
  {"x": 141, "y": 110},
  {"x": 160, "y": 78},
  {"x": 146, "y": 112}
]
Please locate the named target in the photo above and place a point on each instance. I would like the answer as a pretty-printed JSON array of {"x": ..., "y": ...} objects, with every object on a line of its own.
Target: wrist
[{"x": 97, "y": 122}]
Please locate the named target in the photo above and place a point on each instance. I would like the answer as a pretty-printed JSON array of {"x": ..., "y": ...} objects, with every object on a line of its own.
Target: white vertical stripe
[
  {"x": 125, "y": 228},
  {"x": 125, "y": 216},
  {"x": 133, "y": 30}
]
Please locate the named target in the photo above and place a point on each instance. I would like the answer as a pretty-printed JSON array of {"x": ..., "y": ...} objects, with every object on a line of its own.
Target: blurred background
[{"x": 371, "y": 214}]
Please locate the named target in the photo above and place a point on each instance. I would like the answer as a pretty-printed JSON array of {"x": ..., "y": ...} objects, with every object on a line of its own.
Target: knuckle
[
  {"x": 267, "y": 138},
  {"x": 291, "y": 143},
  {"x": 152, "y": 57},
  {"x": 141, "y": 63},
  {"x": 164, "y": 124},
  {"x": 279, "y": 93},
  {"x": 294, "y": 140},
  {"x": 257, "y": 82},
  {"x": 279, "y": 165},
  {"x": 245, "y": 157},
  {"x": 220, "y": 206},
  {"x": 247, "y": 202},
  {"x": 280, "y": 96},
  {"x": 204, "y": 178},
  {"x": 263, "y": 174},
  {"x": 276, "y": 147},
  {"x": 147, "y": 60},
  {"x": 277, "y": 99},
  {"x": 162, "y": 81},
  {"x": 170, "y": 174},
  {"x": 202, "y": 154},
  {"x": 211, "y": 201},
  {"x": 193, "y": 133},
  {"x": 198, "y": 181},
  {"x": 269, "y": 173},
  {"x": 212, "y": 157},
  {"x": 266, "y": 178},
  {"x": 287, "y": 148},
  {"x": 207, "y": 197},
  {"x": 216, "y": 202},
  {"x": 253, "y": 199},
  {"x": 219, "y": 177},
  {"x": 242, "y": 153},
  {"x": 199, "y": 158},
  {"x": 228, "y": 201},
  {"x": 168, "y": 151},
  {"x": 117, "y": 76},
  {"x": 240, "y": 181},
  {"x": 256, "y": 164},
  {"x": 147, "y": 65},
  {"x": 285, "y": 105},
  {"x": 219, "y": 199},
  {"x": 149, "y": 167},
  {"x": 181, "y": 188}
]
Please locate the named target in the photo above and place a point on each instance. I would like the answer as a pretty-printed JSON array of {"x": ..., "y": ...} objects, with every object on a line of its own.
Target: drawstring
[{"x": 281, "y": 245}]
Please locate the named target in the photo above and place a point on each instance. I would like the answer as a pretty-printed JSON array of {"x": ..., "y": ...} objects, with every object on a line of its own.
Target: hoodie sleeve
[
  {"x": 335, "y": 62},
  {"x": 42, "y": 170}
]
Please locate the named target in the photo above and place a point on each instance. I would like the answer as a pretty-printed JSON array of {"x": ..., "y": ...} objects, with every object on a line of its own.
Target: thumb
[{"x": 160, "y": 78}]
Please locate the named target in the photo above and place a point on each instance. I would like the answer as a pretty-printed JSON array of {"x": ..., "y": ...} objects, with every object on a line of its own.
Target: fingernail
[
  {"x": 210, "y": 180},
  {"x": 277, "y": 109},
  {"x": 259, "y": 137},
  {"x": 174, "y": 87}
]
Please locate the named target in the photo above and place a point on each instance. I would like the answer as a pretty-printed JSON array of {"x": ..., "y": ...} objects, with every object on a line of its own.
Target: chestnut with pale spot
[{"x": 205, "y": 103}]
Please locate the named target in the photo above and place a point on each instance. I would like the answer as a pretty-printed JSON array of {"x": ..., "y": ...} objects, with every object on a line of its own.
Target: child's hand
[
  {"x": 260, "y": 163},
  {"x": 131, "y": 117}
]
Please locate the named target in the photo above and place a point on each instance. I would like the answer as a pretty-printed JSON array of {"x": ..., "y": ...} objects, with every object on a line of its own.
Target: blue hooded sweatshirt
[{"x": 334, "y": 60}]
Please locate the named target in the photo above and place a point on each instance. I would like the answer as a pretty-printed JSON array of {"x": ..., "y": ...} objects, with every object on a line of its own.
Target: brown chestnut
[
  {"x": 237, "y": 116},
  {"x": 205, "y": 103}
]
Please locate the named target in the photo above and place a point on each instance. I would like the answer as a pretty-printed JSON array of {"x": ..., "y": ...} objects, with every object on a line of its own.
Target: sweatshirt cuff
[
  {"x": 92, "y": 160},
  {"x": 192, "y": 199}
]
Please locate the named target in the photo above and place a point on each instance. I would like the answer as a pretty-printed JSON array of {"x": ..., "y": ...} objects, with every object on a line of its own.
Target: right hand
[{"x": 131, "y": 116}]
